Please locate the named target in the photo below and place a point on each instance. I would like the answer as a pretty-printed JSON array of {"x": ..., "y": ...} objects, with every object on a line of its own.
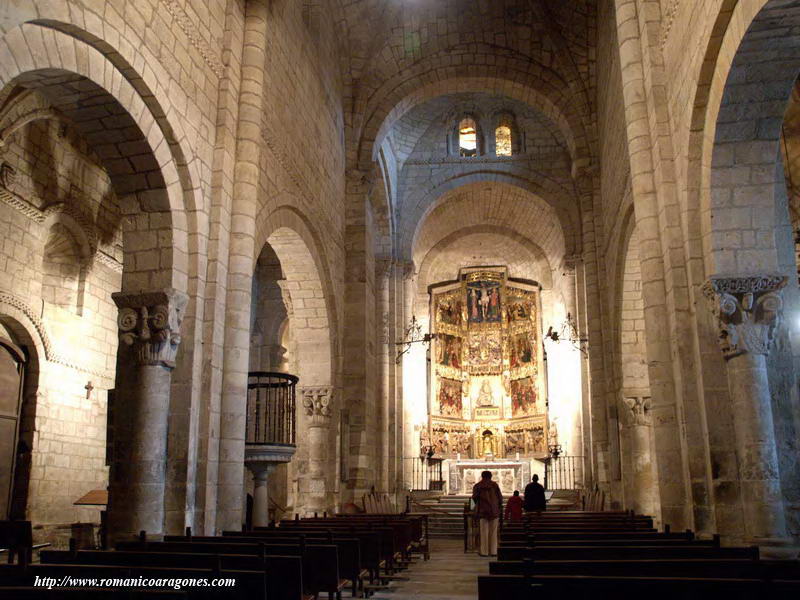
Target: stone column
[
  {"x": 260, "y": 493},
  {"x": 149, "y": 330},
  {"x": 317, "y": 404},
  {"x": 639, "y": 423},
  {"x": 748, "y": 312},
  {"x": 382, "y": 269},
  {"x": 409, "y": 296}
]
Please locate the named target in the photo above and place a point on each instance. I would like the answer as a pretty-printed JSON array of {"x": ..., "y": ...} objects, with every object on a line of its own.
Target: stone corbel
[
  {"x": 638, "y": 410},
  {"x": 150, "y": 322},
  {"x": 748, "y": 312},
  {"x": 317, "y": 403}
]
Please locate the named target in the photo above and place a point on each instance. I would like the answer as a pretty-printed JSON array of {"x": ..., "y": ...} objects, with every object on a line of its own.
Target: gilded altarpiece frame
[{"x": 488, "y": 390}]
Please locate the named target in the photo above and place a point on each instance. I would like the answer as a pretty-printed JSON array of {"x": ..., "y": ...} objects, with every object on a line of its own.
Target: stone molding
[
  {"x": 39, "y": 216},
  {"x": 317, "y": 402},
  {"x": 667, "y": 20},
  {"x": 50, "y": 355},
  {"x": 638, "y": 410},
  {"x": 150, "y": 323},
  {"x": 195, "y": 39},
  {"x": 748, "y": 312}
]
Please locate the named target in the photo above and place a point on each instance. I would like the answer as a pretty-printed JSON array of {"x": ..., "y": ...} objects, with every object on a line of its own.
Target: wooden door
[{"x": 12, "y": 362}]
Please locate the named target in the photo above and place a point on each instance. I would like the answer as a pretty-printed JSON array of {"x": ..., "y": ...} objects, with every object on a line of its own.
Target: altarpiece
[{"x": 487, "y": 398}]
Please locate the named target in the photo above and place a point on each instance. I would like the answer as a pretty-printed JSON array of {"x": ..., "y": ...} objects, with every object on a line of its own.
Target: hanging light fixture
[
  {"x": 569, "y": 332},
  {"x": 413, "y": 335}
]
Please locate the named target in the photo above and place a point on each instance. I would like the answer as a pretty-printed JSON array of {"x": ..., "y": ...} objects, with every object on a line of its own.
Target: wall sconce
[
  {"x": 569, "y": 332},
  {"x": 413, "y": 335}
]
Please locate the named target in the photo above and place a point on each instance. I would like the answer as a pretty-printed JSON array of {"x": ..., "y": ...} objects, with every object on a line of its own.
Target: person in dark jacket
[
  {"x": 488, "y": 506},
  {"x": 534, "y": 496},
  {"x": 514, "y": 507}
]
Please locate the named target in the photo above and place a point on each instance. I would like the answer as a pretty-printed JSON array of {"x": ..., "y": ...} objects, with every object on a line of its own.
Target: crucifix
[{"x": 88, "y": 387}]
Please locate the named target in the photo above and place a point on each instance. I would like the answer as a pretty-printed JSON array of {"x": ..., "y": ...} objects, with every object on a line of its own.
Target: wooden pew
[
  {"x": 621, "y": 552},
  {"x": 251, "y": 584},
  {"x": 320, "y": 561},
  {"x": 389, "y": 544},
  {"x": 351, "y": 566},
  {"x": 720, "y": 568},
  {"x": 38, "y": 593},
  {"x": 284, "y": 574},
  {"x": 491, "y": 587}
]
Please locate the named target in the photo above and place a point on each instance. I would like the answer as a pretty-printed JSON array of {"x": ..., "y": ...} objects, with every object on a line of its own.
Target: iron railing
[
  {"x": 425, "y": 473},
  {"x": 270, "y": 408},
  {"x": 564, "y": 473}
]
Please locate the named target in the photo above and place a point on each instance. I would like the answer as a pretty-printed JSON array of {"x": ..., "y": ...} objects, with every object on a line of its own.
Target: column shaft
[{"x": 755, "y": 442}]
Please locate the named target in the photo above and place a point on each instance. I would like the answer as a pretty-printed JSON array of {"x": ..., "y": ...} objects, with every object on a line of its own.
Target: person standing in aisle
[{"x": 488, "y": 506}]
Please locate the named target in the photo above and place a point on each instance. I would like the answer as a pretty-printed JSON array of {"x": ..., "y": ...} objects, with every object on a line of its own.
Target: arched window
[
  {"x": 506, "y": 136},
  {"x": 467, "y": 137},
  {"x": 502, "y": 140}
]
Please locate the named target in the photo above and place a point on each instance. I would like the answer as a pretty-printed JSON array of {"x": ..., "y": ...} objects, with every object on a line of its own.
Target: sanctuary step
[{"x": 445, "y": 515}]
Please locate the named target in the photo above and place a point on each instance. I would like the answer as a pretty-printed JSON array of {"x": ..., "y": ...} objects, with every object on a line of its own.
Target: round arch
[
  {"x": 554, "y": 101},
  {"x": 733, "y": 100},
  {"x": 506, "y": 204},
  {"x": 299, "y": 250},
  {"x": 154, "y": 172}
]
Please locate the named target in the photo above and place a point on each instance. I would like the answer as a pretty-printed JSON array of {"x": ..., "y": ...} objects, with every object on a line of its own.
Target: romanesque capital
[
  {"x": 317, "y": 402},
  {"x": 408, "y": 270},
  {"x": 383, "y": 267},
  {"x": 748, "y": 312},
  {"x": 150, "y": 323},
  {"x": 573, "y": 261},
  {"x": 638, "y": 410}
]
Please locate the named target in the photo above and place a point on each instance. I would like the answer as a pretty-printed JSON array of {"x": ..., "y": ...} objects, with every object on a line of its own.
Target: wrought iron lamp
[
  {"x": 413, "y": 335},
  {"x": 554, "y": 449},
  {"x": 569, "y": 331}
]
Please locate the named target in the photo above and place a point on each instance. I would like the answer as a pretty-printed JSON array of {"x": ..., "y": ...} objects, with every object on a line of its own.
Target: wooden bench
[
  {"x": 670, "y": 567},
  {"x": 284, "y": 574},
  {"x": 351, "y": 566},
  {"x": 38, "y": 593},
  {"x": 320, "y": 561},
  {"x": 251, "y": 584},
  {"x": 579, "y": 587},
  {"x": 621, "y": 552}
]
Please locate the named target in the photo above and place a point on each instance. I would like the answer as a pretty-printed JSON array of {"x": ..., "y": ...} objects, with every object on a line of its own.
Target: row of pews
[
  {"x": 621, "y": 555},
  {"x": 300, "y": 559}
]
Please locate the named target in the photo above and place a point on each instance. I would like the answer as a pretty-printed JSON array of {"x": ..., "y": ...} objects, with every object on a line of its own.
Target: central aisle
[{"x": 448, "y": 575}]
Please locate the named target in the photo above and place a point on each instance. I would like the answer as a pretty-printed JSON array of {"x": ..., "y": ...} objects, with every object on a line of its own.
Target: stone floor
[{"x": 449, "y": 574}]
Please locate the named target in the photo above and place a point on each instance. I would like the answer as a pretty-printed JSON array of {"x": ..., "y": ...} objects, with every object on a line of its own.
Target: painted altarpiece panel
[{"x": 487, "y": 370}]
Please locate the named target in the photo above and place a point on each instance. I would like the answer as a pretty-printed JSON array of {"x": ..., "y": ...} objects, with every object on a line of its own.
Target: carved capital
[
  {"x": 638, "y": 410},
  {"x": 573, "y": 261},
  {"x": 748, "y": 312},
  {"x": 383, "y": 267},
  {"x": 317, "y": 402},
  {"x": 150, "y": 324},
  {"x": 408, "y": 270}
]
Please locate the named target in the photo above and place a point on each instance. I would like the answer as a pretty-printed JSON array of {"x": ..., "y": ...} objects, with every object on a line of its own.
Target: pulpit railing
[
  {"x": 270, "y": 408},
  {"x": 425, "y": 474}
]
